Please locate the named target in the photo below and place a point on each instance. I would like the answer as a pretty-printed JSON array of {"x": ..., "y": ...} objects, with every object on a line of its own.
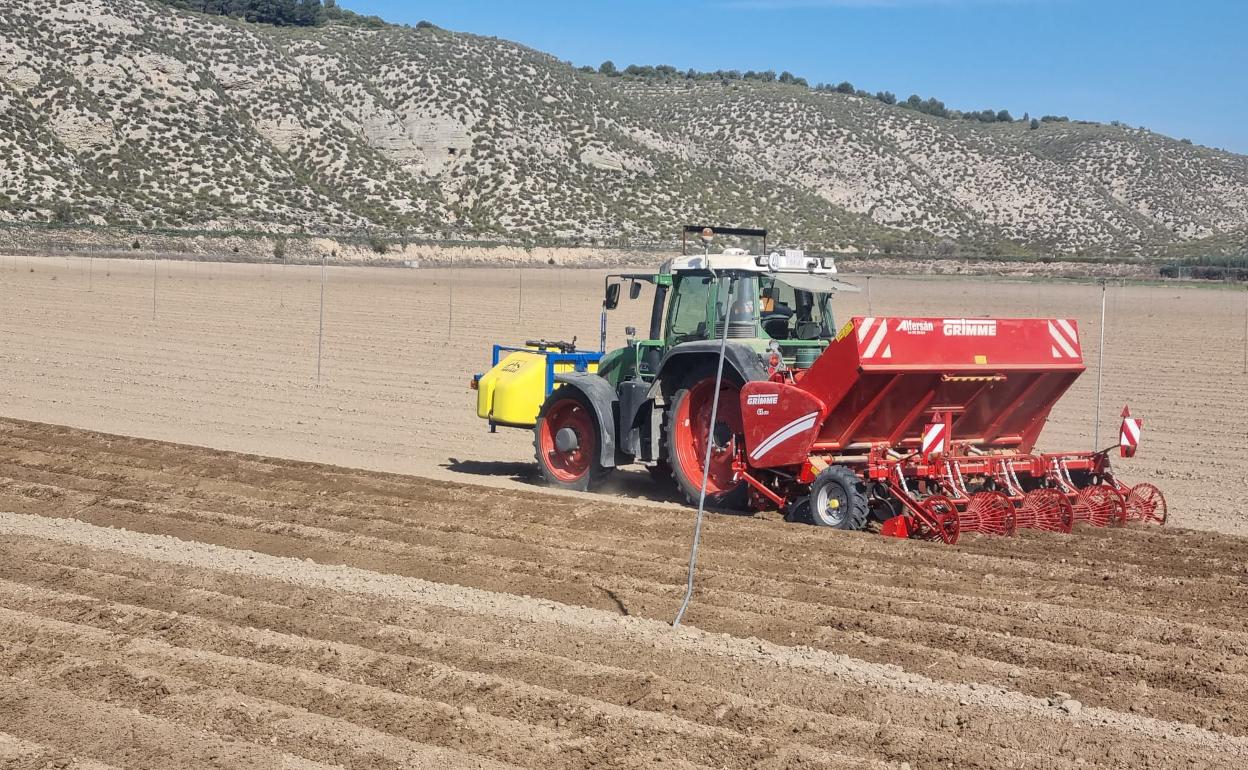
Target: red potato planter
[
  {"x": 924, "y": 427},
  {"x": 940, "y": 417}
]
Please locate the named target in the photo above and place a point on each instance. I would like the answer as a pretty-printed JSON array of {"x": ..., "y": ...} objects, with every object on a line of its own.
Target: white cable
[
  {"x": 1100, "y": 375},
  {"x": 706, "y": 465}
]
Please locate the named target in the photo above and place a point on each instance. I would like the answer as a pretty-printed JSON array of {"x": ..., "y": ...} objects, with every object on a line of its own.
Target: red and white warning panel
[
  {"x": 1065, "y": 340},
  {"x": 1129, "y": 434},
  {"x": 935, "y": 438},
  {"x": 970, "y": 342}
]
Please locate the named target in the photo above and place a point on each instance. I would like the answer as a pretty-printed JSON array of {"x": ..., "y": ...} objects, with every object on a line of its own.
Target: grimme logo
[
  {"x": 915, "y": 327},
  {"x": 762, "y": 399},
  {"x": 969, "y": 327}
]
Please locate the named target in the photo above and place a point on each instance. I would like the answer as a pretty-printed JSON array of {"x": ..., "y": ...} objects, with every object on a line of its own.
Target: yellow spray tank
[{"x": 512, "y": 391}]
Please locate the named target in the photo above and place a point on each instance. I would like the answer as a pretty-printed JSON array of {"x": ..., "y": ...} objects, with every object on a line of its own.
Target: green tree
[
  {"x": 608, "y": 68},
  {"x": 295, "y": 13}
]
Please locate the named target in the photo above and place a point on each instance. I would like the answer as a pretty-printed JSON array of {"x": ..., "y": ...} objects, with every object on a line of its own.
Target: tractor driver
[{"x": 775, "y": 315}]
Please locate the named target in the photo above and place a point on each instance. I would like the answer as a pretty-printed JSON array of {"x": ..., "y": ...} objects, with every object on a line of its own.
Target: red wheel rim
[
  {"x": 939, "y": 520},
  {"x": 573, "y": 464},
  {"x": 693, "y": 421},
  {"x": 1145, "y": 502},
  {"x": 989, "y": 512},
  {"x": 1104, "y": 505},
  {"x": 1045, "y": 509}
]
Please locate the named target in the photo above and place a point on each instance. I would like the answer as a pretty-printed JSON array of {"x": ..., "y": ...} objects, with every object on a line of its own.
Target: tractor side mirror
[
  {"x": 612, "y": 300},
  {"x": 634, "y": 290}
]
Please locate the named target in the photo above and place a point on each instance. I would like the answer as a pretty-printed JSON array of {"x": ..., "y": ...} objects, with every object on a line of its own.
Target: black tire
[
  {"x": 660, "y": 472},
  {"x": 579, "y": 469},
  {"x": 798, "y": 511},
  {"x": 838, "y": 499},
  {"x": 733, "y": 499}
]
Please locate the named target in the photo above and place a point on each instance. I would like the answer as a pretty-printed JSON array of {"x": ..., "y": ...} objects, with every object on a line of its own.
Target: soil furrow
[
  {"x": 582, "y": 620},
  {"x": 318, "y": 614},
  {"x": 494, "y": 695},
  {"x": 118, "y": 735},
  {"x": 930, "y": 646}
]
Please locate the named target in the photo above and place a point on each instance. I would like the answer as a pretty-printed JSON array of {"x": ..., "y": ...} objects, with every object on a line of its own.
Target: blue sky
[{"x": 1180, "y": 68}]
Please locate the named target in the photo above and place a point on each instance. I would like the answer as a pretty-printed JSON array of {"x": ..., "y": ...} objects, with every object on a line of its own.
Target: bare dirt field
[
  {"x": 310, "y": 616},
  {"x": 173, "y": 606},
  {"x": 226, "y": 357}
]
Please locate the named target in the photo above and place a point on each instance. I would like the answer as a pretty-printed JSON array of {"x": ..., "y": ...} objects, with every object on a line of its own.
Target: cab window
[
  {"x": 687, "y": 317},
  {"x": 788, "y": 313}
]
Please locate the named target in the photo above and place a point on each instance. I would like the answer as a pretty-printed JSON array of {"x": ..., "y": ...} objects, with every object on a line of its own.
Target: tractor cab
[{"x": 779, "y": 301}]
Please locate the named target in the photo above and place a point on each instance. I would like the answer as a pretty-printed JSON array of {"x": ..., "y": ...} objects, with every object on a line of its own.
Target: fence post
[
  {"x": 1100, "y": 374},
  {"x": 320, "y": 334}
]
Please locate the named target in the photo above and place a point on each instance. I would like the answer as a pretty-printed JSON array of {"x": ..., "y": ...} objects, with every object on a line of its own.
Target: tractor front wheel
[
  {"x": 566, "y": 440},
  {"x": 688, "y": 426}
]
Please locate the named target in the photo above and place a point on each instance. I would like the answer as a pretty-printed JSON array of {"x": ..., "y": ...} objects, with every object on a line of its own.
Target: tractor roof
[
  {"x": 788, "y": 263},
  {"x": 785, "y": 261}
]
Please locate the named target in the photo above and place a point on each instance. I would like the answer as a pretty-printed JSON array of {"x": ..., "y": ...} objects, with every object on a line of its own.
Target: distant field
[
  {"x": 180, "y": 607},
  {"x": 228, "y": 360}
]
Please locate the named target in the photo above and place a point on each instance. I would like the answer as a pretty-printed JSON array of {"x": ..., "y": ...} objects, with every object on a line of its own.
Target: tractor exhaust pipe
[{"x": 602, "y": 330}]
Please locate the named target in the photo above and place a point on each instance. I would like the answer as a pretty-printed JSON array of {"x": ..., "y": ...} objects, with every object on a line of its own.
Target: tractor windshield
[
  {"x": 782, "y": 307},
  {"x": 795, "y": 308}
]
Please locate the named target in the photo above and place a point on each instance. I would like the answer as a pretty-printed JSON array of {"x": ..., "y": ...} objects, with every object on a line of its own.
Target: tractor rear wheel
[
  {"x": 838, "y": 499},
  {"x": 688, "y": 423},
  {"x": 566, "y": 440}
]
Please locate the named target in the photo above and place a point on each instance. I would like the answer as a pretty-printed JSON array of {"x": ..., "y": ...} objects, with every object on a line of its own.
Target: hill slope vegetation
[{"x": 131, "y": 112}]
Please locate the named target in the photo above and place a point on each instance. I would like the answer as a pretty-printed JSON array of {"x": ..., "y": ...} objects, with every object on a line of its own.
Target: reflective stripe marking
[
  {"x": 800, "y": 425},
  {"x": 934, "y": 438},
  {"x": 1070, "y": 330},
  {"x": 880, "y": 332},
  {"x": 1130, "y": 432},
  {"x": 1063, "y": 342}
]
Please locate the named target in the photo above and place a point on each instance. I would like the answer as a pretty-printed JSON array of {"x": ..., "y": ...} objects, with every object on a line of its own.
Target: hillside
[{"x": 128, "y": 112}]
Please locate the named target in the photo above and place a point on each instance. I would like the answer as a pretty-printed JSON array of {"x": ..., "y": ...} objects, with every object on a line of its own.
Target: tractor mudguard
[
  {"x": 602, "y": 397},
  {"x": 684, "y": 357}
]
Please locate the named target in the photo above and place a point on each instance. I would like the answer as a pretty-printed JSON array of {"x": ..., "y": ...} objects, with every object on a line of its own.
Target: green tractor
[{"x": 650, "y": 402}]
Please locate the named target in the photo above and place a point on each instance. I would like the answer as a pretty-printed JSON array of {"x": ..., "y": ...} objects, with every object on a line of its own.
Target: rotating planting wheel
[
  {"x": 990, "y": 513},
  {"x": 1145, "y": 502},
  {"x": 1045, "y": 509},
  {"x": 1101, "y": 506},
  {"x": 937, "y": 519}
]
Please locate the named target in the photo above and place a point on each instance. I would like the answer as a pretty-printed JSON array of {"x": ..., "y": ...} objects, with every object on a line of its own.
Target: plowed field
[{"x": 171, "y": 606}]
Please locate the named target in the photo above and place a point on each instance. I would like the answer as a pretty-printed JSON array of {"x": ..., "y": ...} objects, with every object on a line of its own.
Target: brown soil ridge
[
  {"x": 392, "y": 617},
  {"x": 576, "y": 620}
]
